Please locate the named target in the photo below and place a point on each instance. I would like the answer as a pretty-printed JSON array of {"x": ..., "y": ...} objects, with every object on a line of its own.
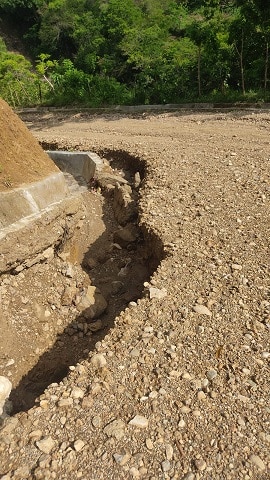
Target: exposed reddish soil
[{"x": 22, "y": 160}]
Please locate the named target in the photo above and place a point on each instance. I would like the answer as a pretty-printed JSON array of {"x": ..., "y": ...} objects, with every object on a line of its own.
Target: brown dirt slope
[{"x": 22, "y": 160}]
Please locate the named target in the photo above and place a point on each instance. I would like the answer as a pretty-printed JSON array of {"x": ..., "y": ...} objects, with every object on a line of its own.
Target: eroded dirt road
[{"x": 179, "y": 389}]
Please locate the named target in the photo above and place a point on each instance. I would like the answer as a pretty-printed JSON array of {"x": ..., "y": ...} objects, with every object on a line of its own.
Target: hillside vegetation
[{"x": 102, "y": 52}]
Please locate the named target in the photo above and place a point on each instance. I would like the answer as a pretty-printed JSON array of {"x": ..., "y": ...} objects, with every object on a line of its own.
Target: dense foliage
[{"x": 102, "y": 52}]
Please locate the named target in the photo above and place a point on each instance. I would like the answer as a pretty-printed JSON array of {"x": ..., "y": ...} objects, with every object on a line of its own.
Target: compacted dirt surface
[{"x": 172, "y": 381}]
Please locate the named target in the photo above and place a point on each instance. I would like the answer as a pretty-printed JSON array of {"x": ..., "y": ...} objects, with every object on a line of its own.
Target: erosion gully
[{"x": 110, "y": 251}]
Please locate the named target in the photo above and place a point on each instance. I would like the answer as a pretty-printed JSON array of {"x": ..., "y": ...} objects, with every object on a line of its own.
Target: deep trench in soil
[{"x": 119, "y": 271}]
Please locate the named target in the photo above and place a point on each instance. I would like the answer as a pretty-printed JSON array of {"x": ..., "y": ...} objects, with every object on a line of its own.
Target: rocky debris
[
  {"x": 139, "y": 421},
  {"x": 124, "y": 204},
  {"x": 5, "y": 389},
  {"x": 158, "y": 293},
  {"x": 92, "y": 304},
  {"x": 115, "y": 429},
  {"x": 137, "y": 180},
  {"x": 46, "y": 444},
  {"x": 126, "y": 235},
  {"x": 200, "y": 380},
  {"x": 202, "y": 310}
]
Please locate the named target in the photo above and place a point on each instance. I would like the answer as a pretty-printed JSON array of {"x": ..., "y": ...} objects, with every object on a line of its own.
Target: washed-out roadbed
[{"x": 179, "y": 386}]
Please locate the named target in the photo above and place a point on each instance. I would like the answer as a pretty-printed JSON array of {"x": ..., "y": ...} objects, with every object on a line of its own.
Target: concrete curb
[
  {"x": 79, "y": 164},
  {"x": 260, "y": 106},
  {"x": 30, "y": 200}
]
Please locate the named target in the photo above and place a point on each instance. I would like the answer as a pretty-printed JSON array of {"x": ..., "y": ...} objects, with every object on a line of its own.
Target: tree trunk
[
  {"x": 240, "y": 53},
  {"x": 242, "y": 65},
  {"x": 266, "y": 68},
  {"x": 199, "y": 71}
]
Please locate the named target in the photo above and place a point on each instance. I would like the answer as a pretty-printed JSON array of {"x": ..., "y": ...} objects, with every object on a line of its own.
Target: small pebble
[
  {"x": 211, "y": 374},
  {"x": 202, "y": 310},
  {"x": 122, "y": 459},
  {"x": 46, "y": 444},
  {"x": 77, "y": 393},
  {"x": 78, "y": 445},
  {"x": 188, "y": 476},
  {"x": 98, "y": 360},
  {"x": 134, "y": 472},
  {"x": 201, "y": 395},
  {"x": 139, "y": 421},
  {"x": 200, "y": 464},
  {"x": 166, "y": 466},
  {"x": 256, "y": 460},
  {"x": 184, "y": 409},
  {"x": 149, "y": 444},
  {"x": 169, "y": 451}
]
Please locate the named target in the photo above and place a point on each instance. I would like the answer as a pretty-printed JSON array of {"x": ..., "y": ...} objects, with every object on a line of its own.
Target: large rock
[
  {"x": 92, "y": 304},
  {"x": 124, "y": 205},
  {"x": 5, "y": 389},
  {"x": 126, "y": 235}
]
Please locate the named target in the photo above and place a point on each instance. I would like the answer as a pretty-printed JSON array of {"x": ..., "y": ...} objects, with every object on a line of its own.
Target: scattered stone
[
  {"x": 202, "y": 310},
  {"x": 235, "y": 266},
  {"x": 122, "y": 459},
  {"x": 46, "y": 445},
  {"x": 77, "y": 392},
  {"x": 116, "y": 287},
  {"x": 5, "y": 389},
  {"x": 169, "y": 451},
  {"x": 149, "y": 444},
  {"x": 182, "y": 423},
  {"x": 68, "y": 295},
  {"x": 65, "y": 402},
  {"x": 96, "y": 421},
  {"x": 124, "y": 205},
  {"x": 9, "y": 425},
  {"x": 36, "y": 434},
  {"x": 95, "y": 326},
  {"x": 134, "y": 472},
  {"x": 185, "y": 409},
  {"x": 126, "y": 235},
  {"x": 201, "y": 395},
  {"x": 256, "y": 460},
  {"x": 139, "y": 421},
  {"x": 137, "y": 180},
  {"x": 92, "y": 304},
  {"x": 10, "y": 362},
  {"x": 211, "y": 374},
  {"x": 98, "y": 360},
  {"x": 200, "y": 464},
  {"x": 90, "y": 262},
  {"x": 166, "y": 466},
  {"x": 115, "y": 429},
  {"x": 157, "y": 293},
  {"x": 78, "y": 445},
  {"x": 188, "y": 476}
]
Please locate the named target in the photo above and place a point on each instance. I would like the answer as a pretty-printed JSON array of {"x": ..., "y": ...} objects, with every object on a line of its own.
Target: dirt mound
[{"x": 22, "y": 158}]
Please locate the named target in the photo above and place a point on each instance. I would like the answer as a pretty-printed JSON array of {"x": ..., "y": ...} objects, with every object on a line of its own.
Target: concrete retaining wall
[{"x": 30, "y": 200}]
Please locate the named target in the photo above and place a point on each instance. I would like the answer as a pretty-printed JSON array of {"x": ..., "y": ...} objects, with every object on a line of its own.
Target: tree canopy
[{"x": 101, "y": 52}]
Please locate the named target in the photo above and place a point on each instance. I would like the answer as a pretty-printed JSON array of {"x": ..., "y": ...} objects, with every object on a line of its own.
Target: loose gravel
[{"x": 179, "y": 388}]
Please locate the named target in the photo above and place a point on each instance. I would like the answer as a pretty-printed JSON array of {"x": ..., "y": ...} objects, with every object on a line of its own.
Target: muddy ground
[{"x": 177, "y": 385}]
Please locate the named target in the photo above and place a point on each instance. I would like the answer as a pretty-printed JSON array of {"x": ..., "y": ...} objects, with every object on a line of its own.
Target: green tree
[
  {"x": 18, "y": 83},
  {"x": 256, "y": 14}
]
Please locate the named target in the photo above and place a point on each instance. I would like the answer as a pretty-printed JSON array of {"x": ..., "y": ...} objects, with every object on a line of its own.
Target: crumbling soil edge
[{"x": 154, "y": 254}]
